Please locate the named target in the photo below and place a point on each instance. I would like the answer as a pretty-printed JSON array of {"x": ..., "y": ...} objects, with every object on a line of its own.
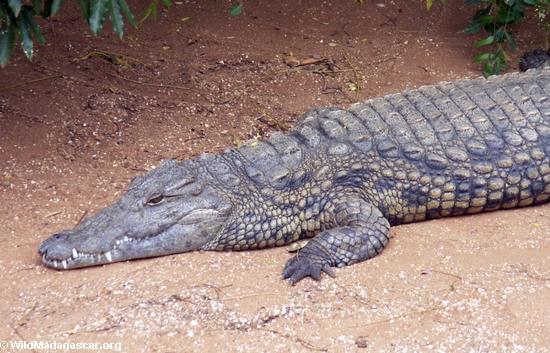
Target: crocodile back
[
  {"x": 462, "y": 147},
  {"x": 449, "y": 149}
]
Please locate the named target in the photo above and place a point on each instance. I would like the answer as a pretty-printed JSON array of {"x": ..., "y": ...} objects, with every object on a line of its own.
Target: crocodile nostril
[{"x": 52, "y": 242}]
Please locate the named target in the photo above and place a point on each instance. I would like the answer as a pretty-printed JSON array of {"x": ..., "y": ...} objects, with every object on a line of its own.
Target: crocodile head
[{"x": 172, "y": 209}]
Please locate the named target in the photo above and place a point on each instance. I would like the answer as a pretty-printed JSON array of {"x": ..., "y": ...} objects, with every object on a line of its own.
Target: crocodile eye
[{"x": 155, "y": 200}]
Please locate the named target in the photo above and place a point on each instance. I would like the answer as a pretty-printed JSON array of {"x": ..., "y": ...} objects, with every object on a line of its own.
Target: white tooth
[
  {"x": 108, "y": 256},
  {"x": 55, "y": 263},
  {"x": 64, "y": 264},
  {"x": 126, "y": 238},
  {"x": 75, "y": 253}
]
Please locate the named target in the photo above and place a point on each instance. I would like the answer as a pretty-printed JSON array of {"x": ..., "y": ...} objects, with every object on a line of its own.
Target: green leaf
[
  {"x": 51, "y": 7},
  {"x": 26, "y": 39},
  {"x": 476, "y": 22},
  {"x": 502, "y": 58},
  {"x": 482, "y": 57},
  {"x": 15, "y": 6},
  {"x": 97, "y": 15},
  {"x": 532, "y": 2},
  {"x": 27, "y": 15},
  {"x": 429, "y": 4},
  {"x": 487, "y": 41},
  {"x": 127, "y": 12},
  {"x": 116, "y": 18},
  {"x": 150, "y": 11},
  {"x": 46, "y": 11},
  {"x": 505, "y": 15},
  {"x": 36, "y": 7},
  {"x": 473, "y": 27},
  {"x": 236, "y": 10},
  {"x": 477, "y": 2},
  {"x": 488, "y": 69},
  {"x": 56, "y": 4},
  {"x": 167, "y": 3},
  {"x": 486, "y": 20},
  {"x": 499, "y": 34},
  {"x": 85, "y": 9},
  {"x": 517, "y": 12},
  {"x": 510, "y": 39},
  {"x": 7, "y": 42}
]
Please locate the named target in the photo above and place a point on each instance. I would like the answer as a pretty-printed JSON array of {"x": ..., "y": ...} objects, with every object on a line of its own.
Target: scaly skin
[{"x": 342, "y": 177}]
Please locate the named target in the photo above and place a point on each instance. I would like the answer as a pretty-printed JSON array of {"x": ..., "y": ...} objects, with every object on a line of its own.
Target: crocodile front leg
[{"x": 359, "y": 232}]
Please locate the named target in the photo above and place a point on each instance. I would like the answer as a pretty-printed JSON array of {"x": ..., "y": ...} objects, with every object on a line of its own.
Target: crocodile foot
[{"x": 306, "y": 265}]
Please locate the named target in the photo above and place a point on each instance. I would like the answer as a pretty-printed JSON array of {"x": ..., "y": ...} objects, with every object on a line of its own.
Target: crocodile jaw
[
  {"x": 190, "y": 233},
  {"x": 174, "y": 208}
]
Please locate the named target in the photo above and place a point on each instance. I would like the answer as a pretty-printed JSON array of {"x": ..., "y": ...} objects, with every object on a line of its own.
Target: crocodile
[{"x": 339, "y": 179}]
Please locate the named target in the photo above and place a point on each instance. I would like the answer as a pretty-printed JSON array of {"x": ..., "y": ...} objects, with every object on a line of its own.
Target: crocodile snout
[
  {"x": 57, "y": 250},
  {"x": 56, "y": 246}
]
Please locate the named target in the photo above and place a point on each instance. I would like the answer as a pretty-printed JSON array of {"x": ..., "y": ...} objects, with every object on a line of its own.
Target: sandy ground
[{"x": 197, "y": 80}]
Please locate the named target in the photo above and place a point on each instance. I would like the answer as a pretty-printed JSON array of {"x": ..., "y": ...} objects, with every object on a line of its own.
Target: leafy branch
[
  {"x": 495, "y": 18},
  {"x": 17, "y": 20}
]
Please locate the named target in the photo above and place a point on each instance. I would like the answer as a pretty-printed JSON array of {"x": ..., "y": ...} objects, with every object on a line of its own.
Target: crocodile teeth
[
  {"x": 108, "y": 256},
  {"x": 123, "y": 240},
  {"x": 64, "y": 264},
  {"x": 55, "y": 263},
  {"x": 75, "y": 253}
]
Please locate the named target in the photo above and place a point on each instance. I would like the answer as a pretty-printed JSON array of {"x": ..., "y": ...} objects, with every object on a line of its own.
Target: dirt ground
[{"x": 197, "y": 80}]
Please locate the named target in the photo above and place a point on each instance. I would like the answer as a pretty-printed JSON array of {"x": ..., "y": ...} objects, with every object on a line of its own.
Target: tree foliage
[
  {"x": 495, "y": 18},
  {"x": 18, "y": 23}
]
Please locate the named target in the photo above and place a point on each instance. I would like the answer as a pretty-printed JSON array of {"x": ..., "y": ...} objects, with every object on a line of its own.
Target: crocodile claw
[{"x": 301, "y": 266}]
